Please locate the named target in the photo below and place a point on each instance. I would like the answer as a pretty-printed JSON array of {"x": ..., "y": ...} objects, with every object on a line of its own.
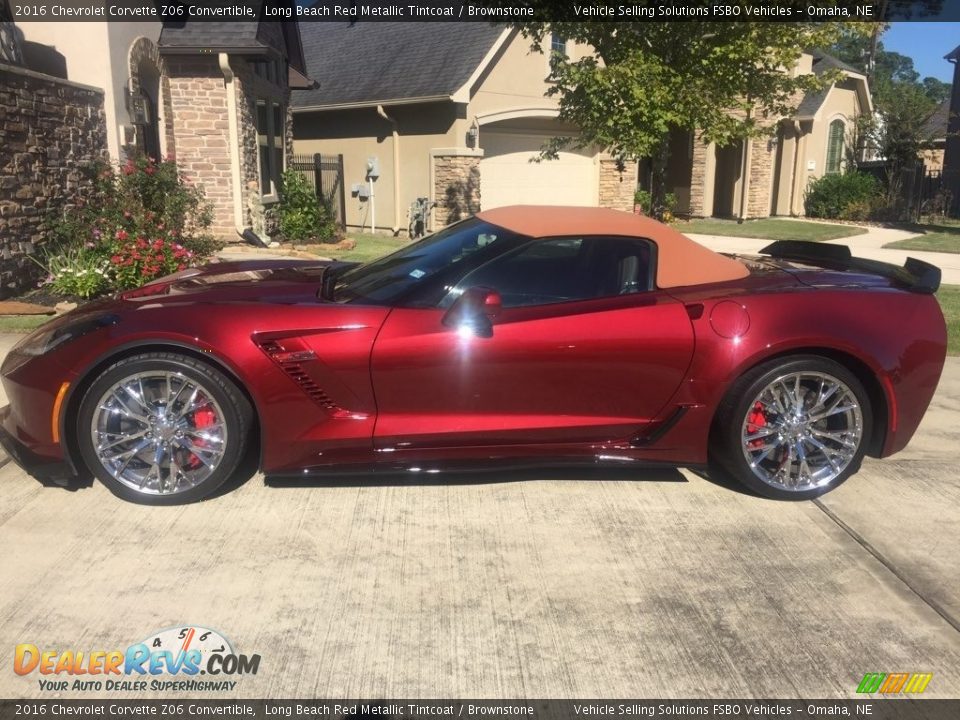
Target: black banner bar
[
  {"x": 178, "y": 11},
  {"x": 867, "y": 709}
]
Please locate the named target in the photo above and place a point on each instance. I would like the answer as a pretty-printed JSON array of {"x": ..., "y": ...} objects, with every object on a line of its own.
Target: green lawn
[
  {"x": 770, "y": 229},
  {"x": 946, "y": 242},
  {"x": 22, "y": 323},
  {"x": 949, "y": 297},
  {"x": 369, "y": 247}
]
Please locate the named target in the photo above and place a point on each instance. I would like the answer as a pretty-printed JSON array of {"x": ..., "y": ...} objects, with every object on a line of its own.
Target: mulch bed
[
  {"x": 37, "y": 302},
  {"x": 17, "y": 307}
]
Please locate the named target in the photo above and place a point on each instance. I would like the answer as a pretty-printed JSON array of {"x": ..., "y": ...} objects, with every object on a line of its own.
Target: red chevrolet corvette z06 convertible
[{"x": 542, "y": 334}]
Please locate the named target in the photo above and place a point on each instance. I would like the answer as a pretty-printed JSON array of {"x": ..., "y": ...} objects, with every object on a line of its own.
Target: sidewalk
[{"x": 868, "y": 246}]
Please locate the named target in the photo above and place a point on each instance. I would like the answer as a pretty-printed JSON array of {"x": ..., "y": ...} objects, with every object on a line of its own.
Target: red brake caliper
[
  {"x": 756, "y": 419},
  {"x": 202, "y": 418}
]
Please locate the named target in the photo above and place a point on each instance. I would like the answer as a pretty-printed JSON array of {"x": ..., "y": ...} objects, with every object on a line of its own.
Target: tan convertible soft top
[{"x": 680, "y": 261}]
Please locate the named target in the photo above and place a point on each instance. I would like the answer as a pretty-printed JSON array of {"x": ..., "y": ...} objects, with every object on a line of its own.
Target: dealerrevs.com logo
[{"x": 188, "y": 658}]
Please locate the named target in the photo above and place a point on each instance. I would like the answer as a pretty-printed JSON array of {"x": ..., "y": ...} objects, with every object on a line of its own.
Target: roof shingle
[
  {"x": 822, "y": 62},
  {"x": 369, "y": 62},
  {"x": 935, "y": 128}
]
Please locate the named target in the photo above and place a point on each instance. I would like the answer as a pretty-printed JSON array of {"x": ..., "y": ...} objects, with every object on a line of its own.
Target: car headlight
[{"x": 52, "y": 335}]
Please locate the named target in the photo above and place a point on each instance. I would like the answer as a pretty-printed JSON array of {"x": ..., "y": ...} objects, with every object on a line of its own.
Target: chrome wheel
[
  {"x": 802, "y": 431},
  {"x": 159, "y": 432}
]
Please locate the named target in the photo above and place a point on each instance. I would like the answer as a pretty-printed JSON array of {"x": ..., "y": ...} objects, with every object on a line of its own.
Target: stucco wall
[
  {"x": 842, "y": 103},
  {"x": 51, "y": 133},
  {"x": 516, "y": 80},
  {"x": 361, "y": 133},
  {"x": 933, "y": 159},
  {"x": 96, "y": 53}
]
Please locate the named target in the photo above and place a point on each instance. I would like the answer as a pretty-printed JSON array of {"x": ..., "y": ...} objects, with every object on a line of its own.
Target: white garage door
[{"x": 507, "y": 177}]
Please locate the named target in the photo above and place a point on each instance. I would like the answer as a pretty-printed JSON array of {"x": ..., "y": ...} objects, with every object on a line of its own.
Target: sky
[{"x": 926, "y": 43}]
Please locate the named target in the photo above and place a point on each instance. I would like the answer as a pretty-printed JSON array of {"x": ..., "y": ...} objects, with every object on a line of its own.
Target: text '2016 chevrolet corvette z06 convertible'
[{"x": 545, "y": 334}]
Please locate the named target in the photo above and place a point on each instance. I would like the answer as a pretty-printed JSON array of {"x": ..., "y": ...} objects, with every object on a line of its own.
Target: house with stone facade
[
  {"x": 455, "y": 113},
  {"x": 213, "y": 95},
  {"x": 769, "y": 175},
  {"x": 449, "y": 111}
]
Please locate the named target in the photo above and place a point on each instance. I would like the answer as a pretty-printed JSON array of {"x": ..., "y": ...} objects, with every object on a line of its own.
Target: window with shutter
[{"x": 835, "y": 146}]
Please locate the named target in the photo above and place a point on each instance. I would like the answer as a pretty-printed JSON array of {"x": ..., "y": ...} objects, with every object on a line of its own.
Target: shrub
[
  {"x": 77, "y": 272},
  {"x": 842, "y": 196},
  {"x": 644, "y": 199},
  {"x": 859, "y": 210},
  {"x": 303, "y": 216},
  {"x": 140, "y": 223},
  {"x": 135, "y": 262}
]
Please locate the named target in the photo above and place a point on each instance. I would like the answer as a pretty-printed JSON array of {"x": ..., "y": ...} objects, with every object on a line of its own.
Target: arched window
[{"x": 835, "y": 146}]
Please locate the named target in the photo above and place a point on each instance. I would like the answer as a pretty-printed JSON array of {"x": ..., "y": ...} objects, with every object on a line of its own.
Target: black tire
[
  {"x": 229, "y": 401},
  {"x": 733, "y": 418}
]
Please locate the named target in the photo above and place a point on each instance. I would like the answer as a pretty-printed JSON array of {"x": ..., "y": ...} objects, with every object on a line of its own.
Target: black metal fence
[
  {"x": 914, "y": 190},
  {"x": 325, "y": 174}
]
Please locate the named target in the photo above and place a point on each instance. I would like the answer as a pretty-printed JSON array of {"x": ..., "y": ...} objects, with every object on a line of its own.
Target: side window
[
  {"x": 558, "y": 50},
  {"x": 563, "y": 269},
  {"x": 835, "y": 147},
  {"x": 270, "y": 124}
]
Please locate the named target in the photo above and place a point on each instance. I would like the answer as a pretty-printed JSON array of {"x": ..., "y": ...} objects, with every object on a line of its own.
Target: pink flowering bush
[
  {"x": 137, "y": 261},
  {"x": 140, "y": 223}
]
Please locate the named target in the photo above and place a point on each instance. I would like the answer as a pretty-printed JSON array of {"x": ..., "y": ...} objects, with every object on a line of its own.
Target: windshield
[{"x": 439, "y": 255}]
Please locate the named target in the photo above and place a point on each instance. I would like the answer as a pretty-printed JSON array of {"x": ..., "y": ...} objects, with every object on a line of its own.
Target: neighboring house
[
  {"x": 951, "y": 155},
  {"x": 934, "y": 134},
  {"x": 450, "y": 111},
  {"x": 214, "y": 95},
  {"x": 771, "y": 179}
]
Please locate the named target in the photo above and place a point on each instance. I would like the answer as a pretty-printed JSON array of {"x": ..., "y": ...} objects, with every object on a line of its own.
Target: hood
[{"x": 261, "y": 281}]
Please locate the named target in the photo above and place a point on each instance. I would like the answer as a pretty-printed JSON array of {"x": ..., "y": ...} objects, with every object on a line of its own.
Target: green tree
[
  {"x": 883, "y": 67},
  {"x": 303, "y": 217},
  {"x": 897, "y": 131},
  {"x": 643, "y": 80},
  {"x": 936, "y": 90},
  {"x": 903, "y": 104}
]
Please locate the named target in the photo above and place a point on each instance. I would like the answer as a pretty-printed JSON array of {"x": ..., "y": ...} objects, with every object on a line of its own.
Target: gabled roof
[
  {"x": 212, "y": 36},
  {"x": 823, "y": 62},
  {"x": 239, "y": 37},
  {"x": 953, "y": 54},
  {"x": 368, "y": 63},
  {"x": 935, "y": 128}
]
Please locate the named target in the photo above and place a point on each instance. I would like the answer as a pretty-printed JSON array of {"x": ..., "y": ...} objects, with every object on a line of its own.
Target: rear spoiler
[{"x": 915, "y": 275}]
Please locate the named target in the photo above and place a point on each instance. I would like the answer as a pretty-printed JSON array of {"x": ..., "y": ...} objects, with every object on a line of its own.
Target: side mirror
[{"x": 474, "y": 311}]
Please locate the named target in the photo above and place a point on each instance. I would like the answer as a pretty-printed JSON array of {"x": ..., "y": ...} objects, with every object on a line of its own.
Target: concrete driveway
[{"x": 548, "y": 584}]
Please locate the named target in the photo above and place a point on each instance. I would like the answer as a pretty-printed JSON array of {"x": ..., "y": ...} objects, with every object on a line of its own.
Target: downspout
[
  {"x": 797, "y": 168},
  {"x": 745, "y": 175},
  {"x": 234, "y": 144},
  {"x": 396, "y": 169}
]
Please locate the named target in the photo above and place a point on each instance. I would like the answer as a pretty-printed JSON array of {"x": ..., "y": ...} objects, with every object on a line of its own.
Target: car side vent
[
  {"x": 290, "y": 361},
  {"x": 295, "y": 371}
]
